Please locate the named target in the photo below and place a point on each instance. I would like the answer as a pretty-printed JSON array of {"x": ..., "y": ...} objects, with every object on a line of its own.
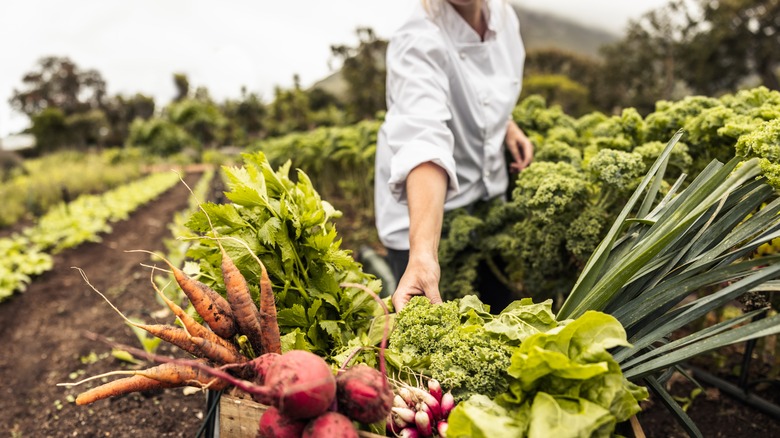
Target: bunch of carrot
[{"x": 227, "y": 320}]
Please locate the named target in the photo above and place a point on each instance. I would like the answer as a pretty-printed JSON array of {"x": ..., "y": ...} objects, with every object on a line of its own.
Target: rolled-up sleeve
[{"x": 416, "y": 126}]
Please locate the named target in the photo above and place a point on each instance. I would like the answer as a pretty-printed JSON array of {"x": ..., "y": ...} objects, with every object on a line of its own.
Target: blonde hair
[{"x": 433, "y": 7}]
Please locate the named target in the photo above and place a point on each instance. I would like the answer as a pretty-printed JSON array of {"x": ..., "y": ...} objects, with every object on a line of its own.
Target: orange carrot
[
  {"x": 195, "y": 329},
  {"x": 269, "y": 326},
  {"x": 120, "y": 387},
  {"x": 166, "y": 375},
  {"x": 216, "y": 352},
  {"x": 272, "y": 342},
  {"x": 245, "y": 311},
  {"x": 173, "y": 335},
  {"x": 209, "y": 304}
]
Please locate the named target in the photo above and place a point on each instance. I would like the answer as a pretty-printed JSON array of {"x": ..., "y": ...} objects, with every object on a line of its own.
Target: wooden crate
[{"x": 239, "y": 418}]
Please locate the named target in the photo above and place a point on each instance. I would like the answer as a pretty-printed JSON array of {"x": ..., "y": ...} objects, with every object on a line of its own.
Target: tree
[
  {"x": 201, "y": 119},
  {"x": 363, "y": 68},
  {"x": 50, "y": 129},
  {"x": 732, "y": 40},
  {"x": 642, "y": 68},
  {"x": 59, "y": 83},
  {"x": 289, "y": 110},
  {"x": 705, "y": 47},
  {"x": 121, "y": 111},
  {"x": 182, "y": 84},
  {"x": 246, "y": 116},
  {"x": 87, "y": 128}
]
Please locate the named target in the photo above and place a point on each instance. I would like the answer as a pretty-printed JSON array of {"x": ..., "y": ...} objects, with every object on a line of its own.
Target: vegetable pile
[
  {"x": 240, "y": 342},
  {"x": 517, "y": 373}
]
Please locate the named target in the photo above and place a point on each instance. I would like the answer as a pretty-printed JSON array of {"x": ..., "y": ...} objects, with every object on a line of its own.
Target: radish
[
  {"x": 423, "y": 422},
  {"x": 403, "y": 416},
  {"x": 331, "y": 425},
  {"x": 298, "y": 383},
  {"x": 363, "y": 394},
  {"x": 434, "y": 387},
  {"x": 447, "y": 404},
  {"x": 275, "y": 425},
  {"x": 409, "y": 432},
  {"x": 441, "y": 427}
]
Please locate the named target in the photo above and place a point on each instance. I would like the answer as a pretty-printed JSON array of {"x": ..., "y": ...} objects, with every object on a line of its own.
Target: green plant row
[
  {"x": 32, "y": 188},
  {"x": 340, "y": 160},
  {"x": 68, "y": 225}
]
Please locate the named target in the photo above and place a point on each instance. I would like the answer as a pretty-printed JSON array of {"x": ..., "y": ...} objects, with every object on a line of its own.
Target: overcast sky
[{"x": 138, "y": 45}]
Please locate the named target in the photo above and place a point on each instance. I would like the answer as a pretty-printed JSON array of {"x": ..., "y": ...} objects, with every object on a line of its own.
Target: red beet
[
  {"x": 363, "y": 394},
  {"x": 300, "y": 384},
  {"x": 330, "y": 425},
  {"x": 275, "y": 425}
]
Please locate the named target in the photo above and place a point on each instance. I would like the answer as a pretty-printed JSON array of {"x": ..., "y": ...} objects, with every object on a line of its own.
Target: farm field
[{"x": 44, "y": 328}]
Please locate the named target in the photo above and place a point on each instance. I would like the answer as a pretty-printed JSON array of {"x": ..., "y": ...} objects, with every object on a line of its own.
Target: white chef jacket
[{"x": 449, "y": 97}]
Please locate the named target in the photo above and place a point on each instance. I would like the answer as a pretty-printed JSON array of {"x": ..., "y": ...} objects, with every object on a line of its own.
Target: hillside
[
  {"x": 544, "y": 30},
  {"x": 539, "y": 30}
]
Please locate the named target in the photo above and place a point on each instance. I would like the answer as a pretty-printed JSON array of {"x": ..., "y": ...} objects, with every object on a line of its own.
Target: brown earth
[{"x": 44, "y": 330}]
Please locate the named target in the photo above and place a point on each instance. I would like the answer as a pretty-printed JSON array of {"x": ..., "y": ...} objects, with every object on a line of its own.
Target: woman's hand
[
  {"x": 420, "y": 278},
  {"x": 426, "y": 189},
  {"x": 519, "y": 146}
]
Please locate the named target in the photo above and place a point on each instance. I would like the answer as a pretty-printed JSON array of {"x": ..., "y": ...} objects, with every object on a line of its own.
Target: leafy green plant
[
  {"x": 584, "y": 171},
  {"x": 657, "y": 253},
  {"x": 290, "y": 229}
]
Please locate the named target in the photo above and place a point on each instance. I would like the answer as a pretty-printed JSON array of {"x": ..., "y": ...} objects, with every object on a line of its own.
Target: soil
[{"x": 44, "y": 330}]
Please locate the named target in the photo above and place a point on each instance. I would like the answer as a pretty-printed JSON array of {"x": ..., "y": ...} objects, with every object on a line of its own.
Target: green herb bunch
[{"x": 291, "y": 230}]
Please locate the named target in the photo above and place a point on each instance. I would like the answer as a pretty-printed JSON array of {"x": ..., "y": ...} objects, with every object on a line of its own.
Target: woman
[{"x": 454, "y": 73}]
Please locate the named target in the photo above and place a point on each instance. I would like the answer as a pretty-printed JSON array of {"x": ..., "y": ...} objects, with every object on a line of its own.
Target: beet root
[
  {"x": 300, "y": 384},
  {"x": 364, "y": 394},
  {"x": 275, "y": 425},
  {"x": 331, "y": 425},
  {"x": 259, "y": 366}
]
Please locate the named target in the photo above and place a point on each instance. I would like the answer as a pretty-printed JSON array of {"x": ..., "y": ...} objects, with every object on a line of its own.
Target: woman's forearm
[{"x": 426, "y": 189}]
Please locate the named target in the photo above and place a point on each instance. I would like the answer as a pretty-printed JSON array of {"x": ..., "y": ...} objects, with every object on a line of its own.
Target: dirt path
[{"x": 43, "y": 330}]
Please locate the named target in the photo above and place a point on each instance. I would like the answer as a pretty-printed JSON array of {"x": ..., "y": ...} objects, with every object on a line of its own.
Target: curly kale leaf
[
  {"x": 420, "y": 326},
  {"x": 558, "y": 151},
  {"x": 764, "y": 143},
  {"x": 452, "y": 341},
  {"x": 471, "y": 362},
  {"x": 545, "y": 190},
  {"x": 617, "y": 169}
]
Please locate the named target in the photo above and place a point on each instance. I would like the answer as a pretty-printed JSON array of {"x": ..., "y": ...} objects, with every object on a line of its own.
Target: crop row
[
  {"x": 67, "y": 225},
  {"x": 34, "y": 186}
]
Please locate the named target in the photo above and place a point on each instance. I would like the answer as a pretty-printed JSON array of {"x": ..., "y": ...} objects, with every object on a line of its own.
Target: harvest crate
[{"x": 239, "y": 417}]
